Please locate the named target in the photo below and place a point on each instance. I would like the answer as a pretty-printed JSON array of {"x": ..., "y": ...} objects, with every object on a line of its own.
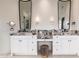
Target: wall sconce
[{"x": 11, "y": 24}]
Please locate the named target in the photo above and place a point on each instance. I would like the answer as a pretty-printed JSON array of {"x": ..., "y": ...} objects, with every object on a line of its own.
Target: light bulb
[
  {"x": 37, "y": 20},
  {"x": 51, "y": 19}
]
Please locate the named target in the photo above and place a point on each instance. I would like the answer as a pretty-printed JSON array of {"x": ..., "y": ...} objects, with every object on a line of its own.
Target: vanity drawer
[
  {"x": 57, "y": 50},
  {"x": 32, "y": 48},
  {"x": 57, "y": 42},
  {"x": 32, "y": 51}
]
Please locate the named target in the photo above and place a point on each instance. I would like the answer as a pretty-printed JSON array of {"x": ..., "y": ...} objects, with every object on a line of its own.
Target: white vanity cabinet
[
  {"x": 64, "y": 45},
  {"x": 23, "y": 45},
  {"x": 18, "y": 45}
]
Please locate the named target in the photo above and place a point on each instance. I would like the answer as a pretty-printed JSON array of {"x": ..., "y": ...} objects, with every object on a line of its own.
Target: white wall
[
  {"x": 43, "y": 11},
  {"x": 75, "y": 14},
  {"x": 8, "y": 12}
]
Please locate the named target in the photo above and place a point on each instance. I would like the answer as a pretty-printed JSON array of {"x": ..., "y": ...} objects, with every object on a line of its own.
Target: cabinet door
[
  {"x": 31, "y": 46},
  {"x": 14, "y": 44},
  {"x": 23, "y": 45},
  {"x": 72, "y": 45},
  {"x": 75, "y": 44},
  {"x": 68, "y": 46},
  {"x": 60, "y": 46},
  {"x": 18, "y": 46}
]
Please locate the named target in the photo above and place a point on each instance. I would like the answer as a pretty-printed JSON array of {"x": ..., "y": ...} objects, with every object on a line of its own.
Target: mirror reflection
[
  {"x": 64, "y": 7},
  {"x": 25, "y": 15}
]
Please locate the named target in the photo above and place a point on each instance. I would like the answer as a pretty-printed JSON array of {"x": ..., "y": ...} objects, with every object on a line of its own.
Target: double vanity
[
  {"x": 44, "y": 40},
  {"x": 29, "y": 44}
]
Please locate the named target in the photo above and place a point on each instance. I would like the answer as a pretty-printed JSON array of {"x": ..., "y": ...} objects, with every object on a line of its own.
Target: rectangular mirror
[
  {"x": 25, "y": 15},
  {"x": 64, "y": 13}
]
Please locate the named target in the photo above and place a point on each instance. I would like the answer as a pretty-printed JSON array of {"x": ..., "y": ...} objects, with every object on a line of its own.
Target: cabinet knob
[
  {"x": 32, "y": 42},
  {"x": 57, "y": 37},
  {"x": 56, "y": 49},
  {"x": 20, "y": 40},
  {"x": 57, "y": 42},
  {"x": 32, "y": 49},
  {"x": 69, "y": 40}
]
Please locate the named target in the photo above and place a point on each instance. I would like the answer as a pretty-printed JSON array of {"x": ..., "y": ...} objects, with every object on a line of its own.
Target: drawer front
[
  {"x": 57, "y": 42},
  {"x": 32, "y": 50},
  {"x": 58, "y": 50},
  {"x": 18, "y": 46},
  {"x": 32, "y": 47}
]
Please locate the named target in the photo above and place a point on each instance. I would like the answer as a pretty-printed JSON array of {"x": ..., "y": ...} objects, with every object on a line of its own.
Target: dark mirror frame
[
  {"x": 20, "y": 15},
  {"x": 69, "y": 13}
]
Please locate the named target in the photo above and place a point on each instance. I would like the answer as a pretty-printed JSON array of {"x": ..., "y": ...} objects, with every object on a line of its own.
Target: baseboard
[{"x": 5, "y": 54}]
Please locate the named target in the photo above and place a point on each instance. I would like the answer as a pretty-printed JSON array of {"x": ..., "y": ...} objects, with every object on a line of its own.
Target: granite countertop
[
  {"x": 21, "y": 34},
  {"x": 57, "y": 33}
]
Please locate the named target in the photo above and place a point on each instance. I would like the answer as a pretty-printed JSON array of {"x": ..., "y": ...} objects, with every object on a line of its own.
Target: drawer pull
[
  {"x": 56, "y": 49},
  {"x": 69, "y": 40},
  {"x": 57, "y": 42},
  {"x": 20, "y": 40},
  {"x": 32, "y": 42},
  {"x": 32, "y": 49}
]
